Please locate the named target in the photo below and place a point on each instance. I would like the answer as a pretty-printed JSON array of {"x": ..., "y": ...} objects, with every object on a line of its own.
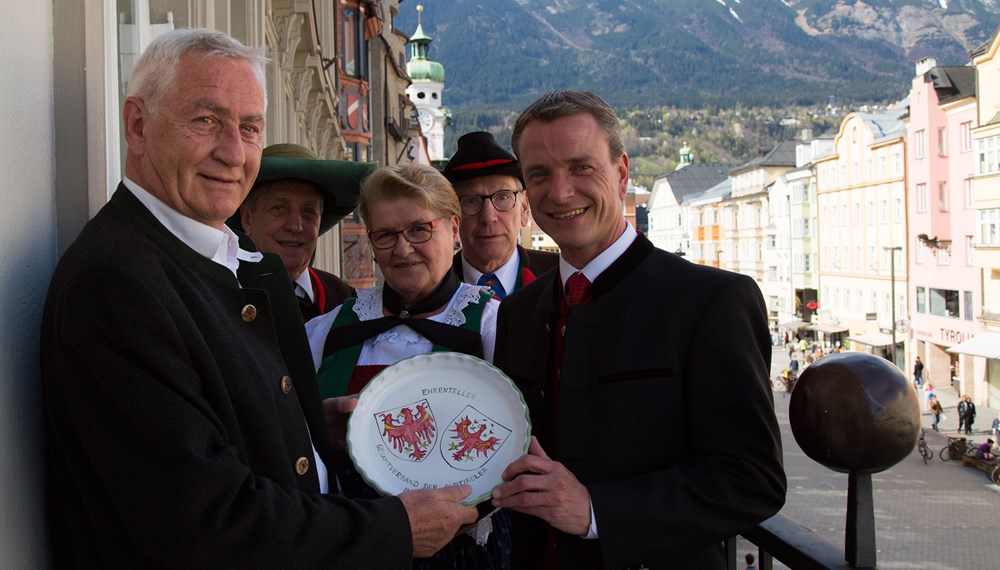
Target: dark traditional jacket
[
  {"x": 531, "y": 264},
  {"x": 329, "y": 291},
  {"x": 664, "y": 408},
  {"x": 179, "y": 407}
]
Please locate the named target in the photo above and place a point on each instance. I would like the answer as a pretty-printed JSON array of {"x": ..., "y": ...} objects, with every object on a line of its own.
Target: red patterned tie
[{"x": 578, "y": 289}]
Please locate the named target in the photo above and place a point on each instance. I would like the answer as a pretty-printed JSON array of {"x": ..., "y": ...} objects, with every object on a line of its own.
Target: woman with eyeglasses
[{"x": 412, "y": 217}]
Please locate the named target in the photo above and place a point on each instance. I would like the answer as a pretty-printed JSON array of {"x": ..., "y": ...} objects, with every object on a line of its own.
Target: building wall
[
  {"x": 666, "y": 227},
  {"x": 943, "y": 165},
  {"x": 28, "y": 226},
  {"x": 986, "y": 190},
  {"x": 860, "y": 213}
]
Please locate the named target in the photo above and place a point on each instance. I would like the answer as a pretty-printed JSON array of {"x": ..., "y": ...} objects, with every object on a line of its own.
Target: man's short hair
[
  {"x": 157, "y": 68},
  {"x": 562, "y": 103},
  {"x": 425, "y": 184}
]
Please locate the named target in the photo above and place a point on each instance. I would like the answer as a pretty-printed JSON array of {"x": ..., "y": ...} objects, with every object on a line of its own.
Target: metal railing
[{"x": 883, "y": 407}]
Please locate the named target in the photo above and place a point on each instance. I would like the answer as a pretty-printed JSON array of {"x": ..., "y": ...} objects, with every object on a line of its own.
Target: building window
[
  {"x": 943, "y": 196},
  {"x": 944, "y": 256},
  {"x": 989, "y": 228},
  {"x": 921, "y": 299},
  {"x": 942, "y": 141},
  {"x": 871, "y": 257},
  {"x": 899, "y": 217},
  {"x": 857, "y": 258},
  {"x": 918, "y": 252},
  {"x": 354, "y": 45},
  {"x": 883, "y": 212},
  {"x": 882, "y": 172},
  {"x": 920, "y": 144},
  {"x": 965, "y": 133},
  {"x": 921, "y": 197},
  {"x": 989, "y": 161},
  {"x": 969, "y": 198},
  {"x": 944, "y": 302},
  {"x": 967, "y": 302}
]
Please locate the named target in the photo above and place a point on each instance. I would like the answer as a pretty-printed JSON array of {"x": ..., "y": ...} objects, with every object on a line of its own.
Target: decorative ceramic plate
[{"x": 435, "y": 420}]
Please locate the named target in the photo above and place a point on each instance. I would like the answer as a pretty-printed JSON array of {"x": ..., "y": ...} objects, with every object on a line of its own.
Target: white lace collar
[{"x": 369, "y": 307}]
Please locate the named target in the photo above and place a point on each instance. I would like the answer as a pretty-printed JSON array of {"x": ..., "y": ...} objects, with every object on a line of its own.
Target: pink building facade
[{"x": 944, "y": 293}]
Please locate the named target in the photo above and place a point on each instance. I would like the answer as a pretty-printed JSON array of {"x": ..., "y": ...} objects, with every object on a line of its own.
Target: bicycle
[
  {"x": 925, "y": 452},
  {"x": 994, "y": 474},
  {"x": 784, "y": 382},
  {"x": 993, "y": 470},
  {"x": 952, "y": 451}
]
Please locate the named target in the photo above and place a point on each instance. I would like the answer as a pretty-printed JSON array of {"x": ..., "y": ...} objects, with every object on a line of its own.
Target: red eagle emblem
[
  {"x": 470, "y": 440},
  {"x": 413, "y": 435}
]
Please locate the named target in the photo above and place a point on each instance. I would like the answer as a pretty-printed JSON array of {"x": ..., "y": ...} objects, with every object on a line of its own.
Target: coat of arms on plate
[
  {"x": 473, "y": 438},
  {"x": 409, "y": 430}
]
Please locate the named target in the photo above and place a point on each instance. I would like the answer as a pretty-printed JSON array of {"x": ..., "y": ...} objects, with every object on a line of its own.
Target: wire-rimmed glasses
[{"x": 503, "y": 200}]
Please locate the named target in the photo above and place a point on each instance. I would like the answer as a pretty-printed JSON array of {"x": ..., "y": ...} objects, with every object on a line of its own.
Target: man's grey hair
[{"x": 157, "y": 68}]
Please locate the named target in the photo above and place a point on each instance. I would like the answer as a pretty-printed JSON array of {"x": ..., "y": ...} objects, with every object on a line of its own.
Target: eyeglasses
[
  {"x": 503, "y": 200},
  {"x": 417, "y": 233}
]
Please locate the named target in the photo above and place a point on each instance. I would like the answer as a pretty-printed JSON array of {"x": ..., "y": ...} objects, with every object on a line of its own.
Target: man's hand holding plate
[{"x": 541, "y": 487}]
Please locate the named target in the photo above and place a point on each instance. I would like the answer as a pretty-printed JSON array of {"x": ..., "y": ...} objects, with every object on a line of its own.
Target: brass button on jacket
[
  {"x": 249, "y": 313},
  {"x": 286, "y": 384},
  {"x": 302, "y": 466}
]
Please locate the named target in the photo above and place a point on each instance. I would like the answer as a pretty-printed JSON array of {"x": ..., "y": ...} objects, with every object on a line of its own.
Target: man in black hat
[
  {"x": 488, "y": 182},
  {"x": 296, "y": 198}
]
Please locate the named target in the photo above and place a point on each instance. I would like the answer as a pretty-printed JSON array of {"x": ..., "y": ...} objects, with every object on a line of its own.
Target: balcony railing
[{"x": 846, "y": 384}]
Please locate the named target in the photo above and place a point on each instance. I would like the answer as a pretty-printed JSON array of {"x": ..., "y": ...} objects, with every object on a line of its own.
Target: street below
[{"x": 942, "y": 515}]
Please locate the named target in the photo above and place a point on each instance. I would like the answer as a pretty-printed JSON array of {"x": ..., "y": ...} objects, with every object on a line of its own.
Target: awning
[
  {"x": 793, "y": 325},
  {"x": 828, "y": 329},
  {"x": 985, "y": 344},
  {"x": 872, "y": 339}
]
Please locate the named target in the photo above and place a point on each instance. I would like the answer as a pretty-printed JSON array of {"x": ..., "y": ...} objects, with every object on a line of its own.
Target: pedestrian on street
[
  {"x": 935, "y": 408},
  {"x": 750, "y": 562},
  {"x": 967, "y": 414},
  {"x": 918, "y": 373},
  {"x": 996, "y": 428}
]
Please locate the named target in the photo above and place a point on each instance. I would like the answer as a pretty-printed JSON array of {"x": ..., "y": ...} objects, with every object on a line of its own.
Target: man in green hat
[{"x": 296, "y": 198}]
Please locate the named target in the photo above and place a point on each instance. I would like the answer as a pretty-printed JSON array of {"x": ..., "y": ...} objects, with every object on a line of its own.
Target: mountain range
[{"x": 502, "y": 54}]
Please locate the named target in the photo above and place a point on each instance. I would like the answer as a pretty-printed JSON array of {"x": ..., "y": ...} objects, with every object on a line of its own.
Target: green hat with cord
[{"x": 339, "y": 181}]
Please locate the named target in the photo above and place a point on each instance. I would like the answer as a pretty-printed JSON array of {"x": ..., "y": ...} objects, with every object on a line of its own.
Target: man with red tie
[
  {"x": 646, "y": 376},
  {"x": 296, "y": 198},
  {"x": 490, "y": 190}
]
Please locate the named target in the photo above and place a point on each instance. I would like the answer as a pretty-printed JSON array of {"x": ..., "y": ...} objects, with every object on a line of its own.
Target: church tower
[{"x": 425, "y": 92}]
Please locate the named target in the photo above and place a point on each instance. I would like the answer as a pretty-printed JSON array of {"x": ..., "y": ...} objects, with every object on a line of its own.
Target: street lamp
[{"x": 892, "y": 301}]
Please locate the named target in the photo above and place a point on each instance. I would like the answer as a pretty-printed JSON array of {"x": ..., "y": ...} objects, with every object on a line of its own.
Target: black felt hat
[
  {"x": 339, "y": 180},
  {"x": 478, "y": 155}
]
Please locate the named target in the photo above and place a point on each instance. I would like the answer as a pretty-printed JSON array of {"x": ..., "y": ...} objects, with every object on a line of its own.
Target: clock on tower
[{"x": 426, "y": 120}]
